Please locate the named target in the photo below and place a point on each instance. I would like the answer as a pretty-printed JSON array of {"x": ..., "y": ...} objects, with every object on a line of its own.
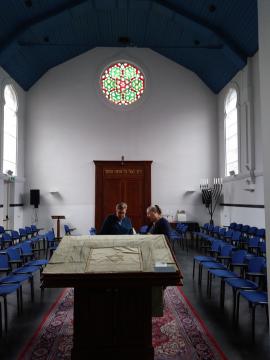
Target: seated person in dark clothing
[
  {"x": 118, "y": 223},
  {"x": 159, "y": 224}
]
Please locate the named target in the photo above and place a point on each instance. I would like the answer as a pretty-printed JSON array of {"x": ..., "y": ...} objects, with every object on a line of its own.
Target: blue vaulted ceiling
[{"x": 212, "y": 38}]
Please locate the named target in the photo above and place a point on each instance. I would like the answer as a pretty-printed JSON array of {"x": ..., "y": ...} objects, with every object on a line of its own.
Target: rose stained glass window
[{"x": 122, "y": 83}]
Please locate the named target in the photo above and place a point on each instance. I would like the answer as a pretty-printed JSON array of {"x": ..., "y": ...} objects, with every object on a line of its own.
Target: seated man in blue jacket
[{"x": 118, "y": 223}]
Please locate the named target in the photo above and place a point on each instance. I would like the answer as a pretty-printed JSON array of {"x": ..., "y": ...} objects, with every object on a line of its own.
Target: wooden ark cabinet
[{"x": 128, "y": 181}]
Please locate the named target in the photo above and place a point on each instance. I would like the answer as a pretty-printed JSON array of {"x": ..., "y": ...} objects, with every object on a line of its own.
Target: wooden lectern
[
  {"x": 58, "y": 217},
  {"x": 113, "y": 277}
]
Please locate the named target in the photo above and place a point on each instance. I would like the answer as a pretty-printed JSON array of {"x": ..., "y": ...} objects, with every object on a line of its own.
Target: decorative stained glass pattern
[{"x": 122, "y": 83}]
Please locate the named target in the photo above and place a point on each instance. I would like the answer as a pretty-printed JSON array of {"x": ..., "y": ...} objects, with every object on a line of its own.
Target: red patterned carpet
[{"x": 178, "y": 335}]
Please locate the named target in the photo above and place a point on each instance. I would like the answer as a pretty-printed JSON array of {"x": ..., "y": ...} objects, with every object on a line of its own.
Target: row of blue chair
[
  {"x": 21, "y": 257},
  {"x": 224, "y": 259},
  {"x": 12, "y": 237}
]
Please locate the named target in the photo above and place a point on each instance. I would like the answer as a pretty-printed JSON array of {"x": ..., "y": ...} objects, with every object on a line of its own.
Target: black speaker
[{"x": 34, "y": 198}]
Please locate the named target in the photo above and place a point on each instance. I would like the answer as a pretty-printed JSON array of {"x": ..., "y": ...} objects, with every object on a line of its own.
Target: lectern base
[{"x": 113, "y": 323}]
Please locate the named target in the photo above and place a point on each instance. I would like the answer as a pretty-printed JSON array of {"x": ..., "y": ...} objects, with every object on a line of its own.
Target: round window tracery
[{"x": 122, "y": 83}]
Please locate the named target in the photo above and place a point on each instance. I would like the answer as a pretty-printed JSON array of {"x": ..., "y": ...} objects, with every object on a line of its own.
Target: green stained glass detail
[
  {"x": 129, "y": 72},
  {"x": 122, "y": 83},
  {"x": 130, "y": 96},
  {"x": 137, "y": 84},
  {"x": 115, "y": 96}
]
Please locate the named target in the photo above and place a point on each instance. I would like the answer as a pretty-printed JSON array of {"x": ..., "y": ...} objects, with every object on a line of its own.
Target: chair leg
[
  {"x": 234, "y": 302},
  {"x": 193, "y": 273},
  {"x": 21, "y": 299},
  {"x": 18, "y": 301},
  {"x": 267, "y": 314},
  {"x": 237, "y": 309},
  {"x": 222, "y": 293},
  {"x": 253, "y": 322},
  {"x": 5, "y": 314},
  {"x": 1, "y": 330},
  {"x": 32, "y": 288}
]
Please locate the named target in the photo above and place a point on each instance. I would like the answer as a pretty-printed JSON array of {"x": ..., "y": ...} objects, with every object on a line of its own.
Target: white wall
[
  {"x": 17, "y": 187},
  {"x": 69, "y": 124},
  {"x": 236, "y": 188}
]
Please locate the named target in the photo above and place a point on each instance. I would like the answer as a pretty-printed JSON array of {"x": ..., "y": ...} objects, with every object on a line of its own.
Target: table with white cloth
[{"x": 114, "y": 279}]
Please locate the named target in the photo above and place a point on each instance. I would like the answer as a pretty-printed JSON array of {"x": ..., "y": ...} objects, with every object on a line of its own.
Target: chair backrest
[
  {"x": 143, "y": 229},
  {"x": 4, "y": 264},
  {"x": 216, "y": 244},
  {"x": 28, "y": 230},
  {"x": 252, "y": 230},
  {"x": 256, "y": 264},
  {"x": 260, "y": 233},
  {"x": 238, "y": 227},
  {"x": 33, "y": 227},
  {"x": 229, "y": 233},
  {"x": 239, "y": 256},
  {"x": 15, "y": 234},
  {"x": 262, "y": 246},
  {"x": 92, "y": 231},
  {"x": 226, "y": 250},
  {"x": 50, "y": 236},
  {"x": 216, "y": 229},
  {"x": 67, "y": 229},
  {"x": 254, "y": 241},
  {"x": 222, "y": 231},
  {"x": 210, "y": 228},
  {"x": 22, "y": 232},
  {"x": 232, "y": 225},
  {"x": 6, "y": 236},
  {"x": 236, "y": 236},
  {"x": 245, "y": 229},
  {"x": 2, "y": 230},
  {"x": 26, "y": 247},
  {"x": 14, "y": 253}
]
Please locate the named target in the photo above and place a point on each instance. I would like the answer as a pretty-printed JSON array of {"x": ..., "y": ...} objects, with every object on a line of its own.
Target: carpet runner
[{"x": 179, "y": 335}]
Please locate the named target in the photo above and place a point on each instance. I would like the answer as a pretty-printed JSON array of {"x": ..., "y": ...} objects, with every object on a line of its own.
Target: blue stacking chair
[
  {"x": 15, "y": 236},
  {"x": 232, "y": 226},
  {"x": 14, "y": 256},
  {"x": 68, "y": 230},
  {"x": 222, "y": 274},
  {"x": 6, "y": 290},
  {"x": 237, "y": 285},
  {"x": 215, "y": 246},
  {"x": 51, "y": 243},
  {"x": 143, "y": 229},
  {"x": 23, "y": 234},
  {"x": 238, "y": 260},
  {"x": 26, "y": 251},
  {"x": 236, "y": 238},
  {"x": 255, "y": 268},
  {"x": 4, "y": 264},
  {"x": 92, "y": 231},
  {"x": 254, "y": 298},
  {"x": 262, "y": 248},
  {"x": 6, "y": 240},
  {"x": 252, "y": 231},
  {"x": 2, "y": 230},
  {"x": 174, "y": 237},
  {"x": 253, "y": 244},
  {"x": 260, "y": 233},
  {"x": 39, "y": 237}
]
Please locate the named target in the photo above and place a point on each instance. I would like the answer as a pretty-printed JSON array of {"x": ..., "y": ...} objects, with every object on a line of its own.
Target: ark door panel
[{"x": 134, "y": 197}]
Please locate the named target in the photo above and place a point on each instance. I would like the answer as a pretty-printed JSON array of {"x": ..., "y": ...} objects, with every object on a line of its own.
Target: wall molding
[
  {"x": 243, "y": 205},
  {"x": 241, "y": 176}
]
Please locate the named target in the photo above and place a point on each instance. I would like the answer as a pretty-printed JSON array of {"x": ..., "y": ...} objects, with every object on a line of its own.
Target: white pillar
[{"x": 264, "y": 70}]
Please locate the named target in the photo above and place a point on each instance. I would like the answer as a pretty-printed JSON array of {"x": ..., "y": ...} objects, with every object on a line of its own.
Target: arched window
[
  {"x": 122, "y": 83},
  {"x": 10, "y": 130},
  {"x": 231, "y": 133}
]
